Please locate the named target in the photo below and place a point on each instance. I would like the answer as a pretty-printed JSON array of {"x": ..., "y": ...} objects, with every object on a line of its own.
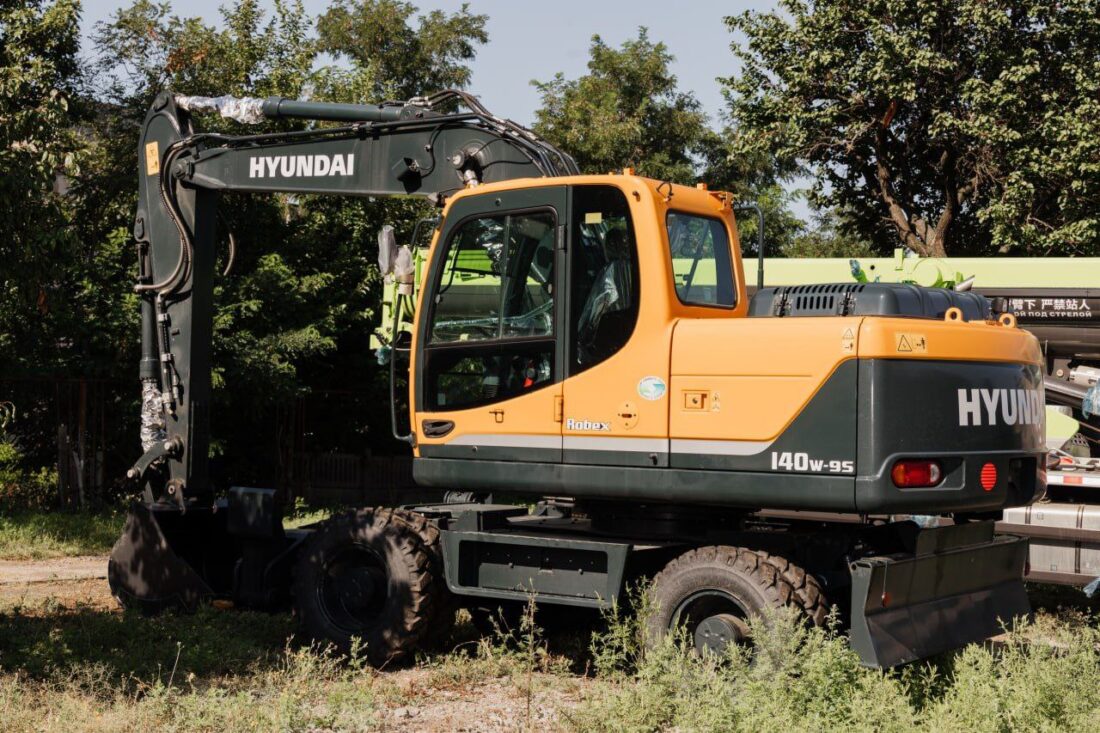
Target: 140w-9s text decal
[{"x": 788, "y": 461}]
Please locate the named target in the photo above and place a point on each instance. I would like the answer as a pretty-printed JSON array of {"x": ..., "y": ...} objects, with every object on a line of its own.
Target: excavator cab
[{"x": 545, "y": 324}]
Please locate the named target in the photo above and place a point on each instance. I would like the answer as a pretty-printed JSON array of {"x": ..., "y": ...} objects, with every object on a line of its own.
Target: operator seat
[{"x": 609, "y": 308}]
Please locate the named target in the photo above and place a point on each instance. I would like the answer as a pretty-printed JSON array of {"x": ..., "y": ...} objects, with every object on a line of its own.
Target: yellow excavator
[{"x": 586, "y": 338}]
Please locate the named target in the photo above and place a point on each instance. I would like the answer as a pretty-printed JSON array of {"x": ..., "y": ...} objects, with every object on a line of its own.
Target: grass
[
  {"x": 49, "y": 535},
  {"x": 1045, "y": 677},
  {"x": 86, "y": 669}
]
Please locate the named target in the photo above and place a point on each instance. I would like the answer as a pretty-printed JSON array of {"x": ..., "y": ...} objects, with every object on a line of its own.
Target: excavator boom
[{"x": 390, "y": 150}]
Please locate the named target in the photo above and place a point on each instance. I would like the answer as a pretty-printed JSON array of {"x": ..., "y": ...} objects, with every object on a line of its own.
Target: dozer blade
[
  {"x": 144, "y": 571},
  {"x": 960, "y": 585}
]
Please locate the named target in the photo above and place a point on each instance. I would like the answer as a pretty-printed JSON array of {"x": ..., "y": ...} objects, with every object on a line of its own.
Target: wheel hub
[
  {"x": 354, "y": 589},
  {"x": 716, "y": 633}
]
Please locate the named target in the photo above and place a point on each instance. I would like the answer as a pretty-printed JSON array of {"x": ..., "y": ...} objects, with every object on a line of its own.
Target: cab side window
[
  {"x": 491, "y": 333},
  {"x": 702, "y": 269},
  {"x": 603, "y": 285}
]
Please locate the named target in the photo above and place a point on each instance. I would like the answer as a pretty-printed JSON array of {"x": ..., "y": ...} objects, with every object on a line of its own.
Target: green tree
[
  {"x": 390, "y": 58},
  {"x": 39, "y": 76},
  {"x": 626, "y": 111},
  {"x": 948, "y": 125}
]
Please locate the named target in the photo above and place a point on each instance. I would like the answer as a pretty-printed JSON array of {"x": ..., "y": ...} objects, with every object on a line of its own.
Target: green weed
[{"x": 1047, "y": 677}]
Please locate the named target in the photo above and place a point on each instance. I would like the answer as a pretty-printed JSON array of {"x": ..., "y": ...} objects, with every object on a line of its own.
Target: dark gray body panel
[
  {"x": 667, "y": 485},
  {"x": 911, "y": 410}
]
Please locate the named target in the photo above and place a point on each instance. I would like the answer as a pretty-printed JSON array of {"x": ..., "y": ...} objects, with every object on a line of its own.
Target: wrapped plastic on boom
[
  {"x": 387, "y": 245},
  {"x": 246, "y": 110}
]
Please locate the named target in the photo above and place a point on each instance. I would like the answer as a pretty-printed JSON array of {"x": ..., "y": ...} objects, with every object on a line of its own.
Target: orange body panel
[
  {"x": 747, "y": 379},
  {"x": 753, "y": 375},
  {"x": 900, "y": 338}
]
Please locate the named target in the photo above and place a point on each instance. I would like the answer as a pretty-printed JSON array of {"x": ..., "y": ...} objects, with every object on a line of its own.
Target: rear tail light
[{"x": 916, "y": 474}]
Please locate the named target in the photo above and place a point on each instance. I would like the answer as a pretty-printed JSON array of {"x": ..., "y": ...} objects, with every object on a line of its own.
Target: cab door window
[
  {"x": 603, "y": 285},
  {"x": 491, "y": 333}
]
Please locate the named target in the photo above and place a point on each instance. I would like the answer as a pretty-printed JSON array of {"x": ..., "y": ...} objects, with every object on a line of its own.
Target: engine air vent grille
[{"x": 867, "y": 299}]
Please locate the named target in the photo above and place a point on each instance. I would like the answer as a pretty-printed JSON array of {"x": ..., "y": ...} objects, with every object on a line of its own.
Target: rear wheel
[
  {"x": 374, "y": 575},
  {"x": 712, "y": 592}
]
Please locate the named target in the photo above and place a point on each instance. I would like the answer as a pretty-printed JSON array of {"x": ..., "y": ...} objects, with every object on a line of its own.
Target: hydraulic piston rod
[
  {"x": 251, "y": 110},
  {"x": 280, "y": 108}
]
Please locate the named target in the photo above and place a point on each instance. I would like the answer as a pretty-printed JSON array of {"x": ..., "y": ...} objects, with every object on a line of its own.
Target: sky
[
  {"x": 535, "y": 40},
  {"x": 529, "y": 40}
]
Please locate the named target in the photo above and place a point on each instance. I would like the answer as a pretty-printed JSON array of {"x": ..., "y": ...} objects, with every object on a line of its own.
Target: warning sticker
[
  {"x": 593, "y": 217},
  {"x": 152, "y": 158},
  {"x": 848, "y": 341},
  {"x": 911, "y": 343}
]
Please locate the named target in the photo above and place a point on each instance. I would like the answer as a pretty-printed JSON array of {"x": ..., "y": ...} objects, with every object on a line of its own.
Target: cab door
[
  {"x": 617, "y": 354},
  {"x": 489, "y": 369}
]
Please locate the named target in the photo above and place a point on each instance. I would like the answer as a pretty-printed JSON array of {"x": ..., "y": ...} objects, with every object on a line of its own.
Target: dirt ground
[
  {"x": 47, "y": 587},
  {"x": 66, "y": 582}
]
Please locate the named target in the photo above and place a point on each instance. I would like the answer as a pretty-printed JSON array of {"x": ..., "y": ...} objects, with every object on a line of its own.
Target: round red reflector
[{"x": 989, "y": 476}]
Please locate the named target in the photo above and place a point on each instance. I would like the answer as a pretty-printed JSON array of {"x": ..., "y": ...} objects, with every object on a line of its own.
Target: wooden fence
[{"x": 354, "y": 480}]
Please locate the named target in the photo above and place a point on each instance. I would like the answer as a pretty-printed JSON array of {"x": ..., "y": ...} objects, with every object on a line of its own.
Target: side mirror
[{"x": 387, "y": 250}]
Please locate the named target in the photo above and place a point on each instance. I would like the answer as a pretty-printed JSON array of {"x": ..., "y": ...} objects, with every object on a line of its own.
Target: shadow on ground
[{"x": 129, "y": 645}]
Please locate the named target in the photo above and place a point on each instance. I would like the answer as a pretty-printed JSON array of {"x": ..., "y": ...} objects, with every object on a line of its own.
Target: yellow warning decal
[
  {"x": 848, "y": 341},
  {"x": 593, "y": 217},
  {"x": 911, "y": 343},
  {"x": 152, "y": 158}
]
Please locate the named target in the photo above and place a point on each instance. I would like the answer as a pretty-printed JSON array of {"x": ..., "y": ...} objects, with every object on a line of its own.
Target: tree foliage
[
  {"x": 391, "y": 58},
  {"x": 39, "y": 77},
  {"x": 626, "y": 111},
  {"x": 947, "y": 125}
]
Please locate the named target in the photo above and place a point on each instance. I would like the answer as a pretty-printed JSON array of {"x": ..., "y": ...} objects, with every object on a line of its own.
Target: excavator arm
[{"x": 394, "y": 149}]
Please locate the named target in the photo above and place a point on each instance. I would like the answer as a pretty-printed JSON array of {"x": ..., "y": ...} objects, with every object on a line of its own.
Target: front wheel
[
  {"x": 372, "y": 575},
  {"x": 711, "y": 593}
]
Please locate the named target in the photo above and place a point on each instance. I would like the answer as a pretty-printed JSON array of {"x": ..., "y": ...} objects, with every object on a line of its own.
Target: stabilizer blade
[
  {"x": 961, "y": 585},
  {"x": 145, "y": 572}
]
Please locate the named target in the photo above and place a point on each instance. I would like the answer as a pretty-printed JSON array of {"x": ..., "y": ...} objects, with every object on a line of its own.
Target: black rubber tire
[
  {"x": 442, "y": 621},
  {"x": 756, "y": 580},
  {"x": 404, "y": 545}
]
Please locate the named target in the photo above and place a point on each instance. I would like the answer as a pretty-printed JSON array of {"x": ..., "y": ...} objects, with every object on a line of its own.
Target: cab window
[
  {"x": 491, "y": 332},
  {"x": 702, "y": 270},
  {"x": 603, "y": 285}
]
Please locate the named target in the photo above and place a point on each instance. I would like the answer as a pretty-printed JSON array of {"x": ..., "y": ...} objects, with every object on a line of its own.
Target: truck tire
[
  {"x": 711, "y": 592},
  {"x": 371, "y": 574}
]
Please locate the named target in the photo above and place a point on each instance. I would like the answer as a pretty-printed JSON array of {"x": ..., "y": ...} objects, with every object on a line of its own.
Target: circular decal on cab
[{"x": 652, "y": 388}]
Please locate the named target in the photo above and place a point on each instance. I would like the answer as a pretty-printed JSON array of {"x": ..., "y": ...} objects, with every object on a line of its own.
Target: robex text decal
[
  {"x": 596, "y": 425},
  {"x": 1000, "y": 407},
  {"x": 301, "y": 166}
]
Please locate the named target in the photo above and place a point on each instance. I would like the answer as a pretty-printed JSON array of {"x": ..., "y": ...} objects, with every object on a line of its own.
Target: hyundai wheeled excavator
[{"x": 588, "y": 337}]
